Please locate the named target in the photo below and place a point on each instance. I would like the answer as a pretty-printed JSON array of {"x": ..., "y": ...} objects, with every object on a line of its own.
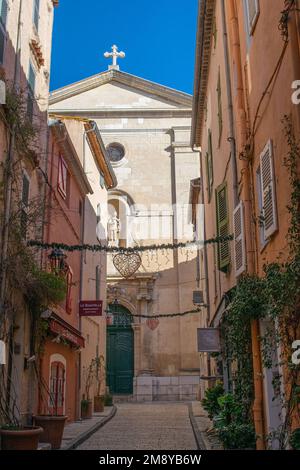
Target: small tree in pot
[
  {"x": 99, "y": 369},
  {"x": 86, "y": 402}
]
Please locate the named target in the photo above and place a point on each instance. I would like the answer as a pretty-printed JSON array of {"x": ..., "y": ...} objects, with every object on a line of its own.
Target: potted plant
[
  {"x": 18, "y": 437},
  {"x": 86, "y": 402},
  {"x": 99, "y": 368},
  {"x": 50, "y": 418},
  {"x": 14, "y": 435}
]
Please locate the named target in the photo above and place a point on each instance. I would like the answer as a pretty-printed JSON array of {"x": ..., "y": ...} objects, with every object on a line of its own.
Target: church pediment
[{"x": 114, "y": 90}]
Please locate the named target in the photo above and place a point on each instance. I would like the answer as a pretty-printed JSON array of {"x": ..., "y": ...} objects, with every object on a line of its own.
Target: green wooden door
[{"x": 120, "y": 352}]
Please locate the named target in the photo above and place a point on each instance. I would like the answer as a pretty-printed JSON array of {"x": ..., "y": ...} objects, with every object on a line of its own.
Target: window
[
  {"x": 116, "y": 152},
  {"x": 262, "y": 237},
  {"x": 36, "y": 13},
  {"x": 25, "y": 204},
  {"x": 62, "y": 177},
  {"x": 239, "y": 239},
  {"x": 222, "y": 226},
  {"x": 57, "y": 387},
  {"x": 220, "y": 115},
  {"x": 209, "y": 166},
  {"x": 268, "y": 217},
  {"x": 3, "y": 18},
  {"x": 98, "y": 273},
  {"x": 31, "y": 91},
  {"x": 252, "y": 12}
]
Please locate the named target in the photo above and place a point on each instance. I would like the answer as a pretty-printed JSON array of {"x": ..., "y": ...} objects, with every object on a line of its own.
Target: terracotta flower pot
[
  {"x": 26, "y": 438},
  {"x": 98, "y": 404},
  {"x": 86, "y": 409},
  {"x": 53, "y": 427}
]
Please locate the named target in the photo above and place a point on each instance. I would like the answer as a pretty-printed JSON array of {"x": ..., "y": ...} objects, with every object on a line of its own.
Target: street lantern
[{"x": 57, "y": 260}]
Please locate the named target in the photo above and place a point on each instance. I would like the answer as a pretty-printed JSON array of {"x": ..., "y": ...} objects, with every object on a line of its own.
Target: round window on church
[{"x": 115, "y": 152}]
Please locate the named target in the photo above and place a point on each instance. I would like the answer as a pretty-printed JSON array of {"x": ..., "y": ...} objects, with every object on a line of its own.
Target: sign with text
[
  {"x": 90, "y": 308},
  {"x": 208, "y": 340}
]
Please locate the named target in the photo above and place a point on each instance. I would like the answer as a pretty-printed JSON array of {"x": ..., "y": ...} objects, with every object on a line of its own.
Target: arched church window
[{"x": 115, "y": 152}]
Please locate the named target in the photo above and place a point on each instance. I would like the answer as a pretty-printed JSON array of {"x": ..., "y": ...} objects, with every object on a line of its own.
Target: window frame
[{"x": 261, "y": 227}]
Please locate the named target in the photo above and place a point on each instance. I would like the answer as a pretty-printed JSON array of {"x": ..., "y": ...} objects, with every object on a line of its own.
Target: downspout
[{"x": 246, "y": 197}]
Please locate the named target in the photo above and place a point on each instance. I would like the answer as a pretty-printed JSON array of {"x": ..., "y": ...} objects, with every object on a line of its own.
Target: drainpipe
[{"x": 246, "y": 197}]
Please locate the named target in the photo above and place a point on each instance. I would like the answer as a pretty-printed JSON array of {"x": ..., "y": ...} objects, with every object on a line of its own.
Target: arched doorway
[{"x": 120, "y": 351}]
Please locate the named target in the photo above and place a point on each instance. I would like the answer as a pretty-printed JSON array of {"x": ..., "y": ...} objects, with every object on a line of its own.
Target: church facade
[{"x": 146, "y": 129}]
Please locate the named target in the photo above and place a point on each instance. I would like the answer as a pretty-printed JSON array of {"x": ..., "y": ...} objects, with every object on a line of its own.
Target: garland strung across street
[
  {"x": 135, "y": 249},
  {"x": 161, "y": 315}
]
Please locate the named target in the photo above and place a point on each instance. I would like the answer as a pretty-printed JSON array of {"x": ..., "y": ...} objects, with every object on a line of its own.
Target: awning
[{"x": 60, "y": 327}]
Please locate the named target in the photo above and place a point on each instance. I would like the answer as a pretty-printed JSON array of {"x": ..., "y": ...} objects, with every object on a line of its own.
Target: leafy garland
[
  {"x": 115, "y": 249},
  {"x": 161, "y": 315}
]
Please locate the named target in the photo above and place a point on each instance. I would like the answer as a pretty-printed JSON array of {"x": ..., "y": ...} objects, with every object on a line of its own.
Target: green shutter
[
  {"x": 209, "y": 166},
  {"x": 222, "y": 226}
]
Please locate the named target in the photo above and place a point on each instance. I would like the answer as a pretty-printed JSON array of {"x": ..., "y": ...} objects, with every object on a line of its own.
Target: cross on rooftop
[{"x": 115, "y": 54}]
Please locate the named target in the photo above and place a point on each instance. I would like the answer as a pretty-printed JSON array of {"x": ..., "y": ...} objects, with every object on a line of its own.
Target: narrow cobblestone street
[{"x": 145, "y": 426}]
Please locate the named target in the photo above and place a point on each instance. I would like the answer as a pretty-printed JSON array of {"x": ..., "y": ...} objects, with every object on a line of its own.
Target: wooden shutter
[
  {"x": 239, "y": 240},
  {"x": 268, "y": 190},
  {"x": 222, "y": 226}
]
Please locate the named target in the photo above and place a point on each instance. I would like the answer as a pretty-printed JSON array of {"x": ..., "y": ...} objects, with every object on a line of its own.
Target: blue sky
[{"x": 158, "y": 37}]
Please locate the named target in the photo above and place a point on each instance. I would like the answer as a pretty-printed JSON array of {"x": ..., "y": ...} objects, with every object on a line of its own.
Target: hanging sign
[
  {"x": 208, "y": 340},
  {"x": 90, "y": 308}
]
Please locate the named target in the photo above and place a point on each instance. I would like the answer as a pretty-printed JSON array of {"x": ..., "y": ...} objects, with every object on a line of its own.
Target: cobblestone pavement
[{"x": 146, "y": 427}]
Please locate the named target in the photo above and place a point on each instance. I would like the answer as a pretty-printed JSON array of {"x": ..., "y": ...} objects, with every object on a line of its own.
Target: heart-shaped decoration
[
  {"x": 127, "y": 263},
  {"x": 152, "y": 323}
]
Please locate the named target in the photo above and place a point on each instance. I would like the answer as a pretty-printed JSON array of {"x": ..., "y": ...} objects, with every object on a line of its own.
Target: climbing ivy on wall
[{"x": 275, "y": 297}]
